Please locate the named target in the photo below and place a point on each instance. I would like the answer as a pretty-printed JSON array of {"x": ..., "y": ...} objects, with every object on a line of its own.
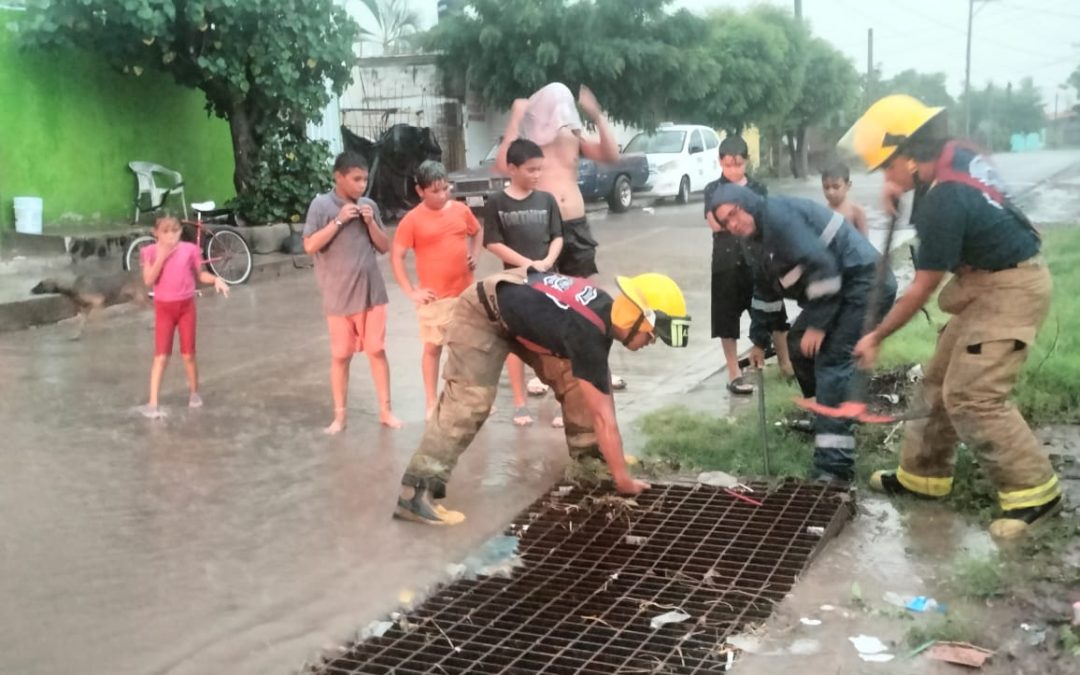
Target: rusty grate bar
[{"x": 597, "y": 569}]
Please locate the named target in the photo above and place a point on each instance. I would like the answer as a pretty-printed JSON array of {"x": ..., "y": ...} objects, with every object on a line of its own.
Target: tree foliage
[
  {"x": 266, "y": 66},
  {"x": 396, "y": 24},
  {"x": 999, "y": 112},
  {"x": 751, "y": 81},
  {"x": 648, "y": 64},
  {"x": 927, "y": 87},
  {"x": 644, "y": 63}
]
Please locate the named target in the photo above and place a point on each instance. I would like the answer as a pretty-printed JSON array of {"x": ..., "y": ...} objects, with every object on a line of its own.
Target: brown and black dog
[{"x": 93, "y": 292}]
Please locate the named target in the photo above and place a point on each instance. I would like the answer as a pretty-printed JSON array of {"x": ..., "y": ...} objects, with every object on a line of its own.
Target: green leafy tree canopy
[
  {"x": 644, "y": 63},
  {"x": 266, "y": 66}
]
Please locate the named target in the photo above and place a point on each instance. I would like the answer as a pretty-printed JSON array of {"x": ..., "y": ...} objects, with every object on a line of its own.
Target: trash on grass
[
  {"x": 1038, "y": 634},
  {"x": 376, "y": 629},
  {"x": 894, "y": 599},
  {"x": 675, "y": 616},
  {"x": 960, "y": 653},
  {"x": 876, "y": 658},
  {"x": 810, "y": 622},
  {"x": 915, "y": 373},
  {"x": 921, "y": 603},
  {"x": 717, "y": 479},
  {"x": 871, "y": 649}
]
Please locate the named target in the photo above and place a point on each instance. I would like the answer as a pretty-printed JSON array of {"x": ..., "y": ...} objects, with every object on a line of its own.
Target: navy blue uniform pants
[{"x": 829, "y": 375}]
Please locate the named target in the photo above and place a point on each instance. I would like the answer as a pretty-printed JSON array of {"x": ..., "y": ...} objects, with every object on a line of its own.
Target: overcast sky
[{"x": 1012, "y": 38}]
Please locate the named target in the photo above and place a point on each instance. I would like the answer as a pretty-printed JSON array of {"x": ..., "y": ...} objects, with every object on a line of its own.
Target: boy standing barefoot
[{"x": 344, "y": 233}]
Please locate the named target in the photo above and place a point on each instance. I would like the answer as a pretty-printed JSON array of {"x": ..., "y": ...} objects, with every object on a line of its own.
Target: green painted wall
[{"x": 69, "y": 125}]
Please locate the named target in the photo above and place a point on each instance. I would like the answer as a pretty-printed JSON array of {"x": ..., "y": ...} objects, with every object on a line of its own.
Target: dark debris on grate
[{"x": 597, "y": 568}]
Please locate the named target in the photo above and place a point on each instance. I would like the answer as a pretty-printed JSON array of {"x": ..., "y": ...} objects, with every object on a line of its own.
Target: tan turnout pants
[
  {"x": 477, "y": 344},
  {"x": 978, "y": 359}
]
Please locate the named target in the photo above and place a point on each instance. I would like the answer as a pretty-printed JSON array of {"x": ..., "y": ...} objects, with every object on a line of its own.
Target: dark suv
[{"x": 615, "y": 182}]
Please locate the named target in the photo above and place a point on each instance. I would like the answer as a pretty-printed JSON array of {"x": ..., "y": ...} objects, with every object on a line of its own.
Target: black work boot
[
  {"x": 414, "y": 505},
  {"x": 1014, "y": 523}
]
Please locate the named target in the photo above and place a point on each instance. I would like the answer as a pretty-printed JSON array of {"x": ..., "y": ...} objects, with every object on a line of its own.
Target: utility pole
[
  {"x": 869, "y": 67},
  {"x": 967, "y": 73}
]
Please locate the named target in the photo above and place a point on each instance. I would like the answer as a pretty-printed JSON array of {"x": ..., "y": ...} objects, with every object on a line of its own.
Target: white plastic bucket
[{"x": 28, "y": 214}]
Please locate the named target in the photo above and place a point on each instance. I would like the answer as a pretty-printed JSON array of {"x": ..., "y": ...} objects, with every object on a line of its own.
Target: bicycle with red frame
[{"x": 224, "y": 251}]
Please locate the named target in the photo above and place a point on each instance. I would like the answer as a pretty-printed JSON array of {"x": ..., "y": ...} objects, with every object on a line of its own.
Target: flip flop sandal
[
  {"x": 740, "y": 387},
  {"x": 522, "y": 417}
]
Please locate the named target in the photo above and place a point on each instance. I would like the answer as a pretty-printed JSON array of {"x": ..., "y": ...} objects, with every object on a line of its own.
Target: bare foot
[
  {"x": 522, "y": 417},
  {"x": 337, "y": 426},
  {"x": 195, "y": 401},
  {"x": 536, "y": 388},
  {"x": 150, "y": 412},
  {"x": 388, "y": 420}
]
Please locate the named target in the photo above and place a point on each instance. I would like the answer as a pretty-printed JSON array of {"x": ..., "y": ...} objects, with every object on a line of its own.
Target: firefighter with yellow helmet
[
  {"x": 998, "y": 296},
  {"x": 563, "y": 327}
]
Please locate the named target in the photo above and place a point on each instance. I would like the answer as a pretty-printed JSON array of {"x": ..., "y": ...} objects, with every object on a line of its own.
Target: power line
[{"x": 1040, "y": 10}]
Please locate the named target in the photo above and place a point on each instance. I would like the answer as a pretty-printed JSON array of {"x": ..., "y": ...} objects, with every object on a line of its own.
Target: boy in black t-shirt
[{"x": 523, "y": 228}]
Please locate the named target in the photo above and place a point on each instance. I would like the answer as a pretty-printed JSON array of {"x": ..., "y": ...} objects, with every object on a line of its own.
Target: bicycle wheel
[
  {"x": 229, "y": 257},
  {"x": 132, "y": 261}
]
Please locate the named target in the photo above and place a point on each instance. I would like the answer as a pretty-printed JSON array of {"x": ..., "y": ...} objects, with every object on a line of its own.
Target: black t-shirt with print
[
  {"x": 537, "y": 317},
  {"x": 959, "y": 225},
  {"x": 525, "y": 225}
]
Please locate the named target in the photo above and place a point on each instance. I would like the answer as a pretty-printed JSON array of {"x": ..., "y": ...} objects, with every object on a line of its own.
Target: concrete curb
[{"x": 40, "y": 310}]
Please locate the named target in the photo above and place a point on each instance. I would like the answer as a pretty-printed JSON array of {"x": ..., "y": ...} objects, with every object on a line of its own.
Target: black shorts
[
  {"x": 732, "y": 285},
  {"x": 578, "y": 257},
  {"x": 732, "y": 291}
]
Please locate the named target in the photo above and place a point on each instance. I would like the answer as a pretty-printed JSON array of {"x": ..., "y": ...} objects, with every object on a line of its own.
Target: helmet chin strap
[{"x": 634, "y": 330}]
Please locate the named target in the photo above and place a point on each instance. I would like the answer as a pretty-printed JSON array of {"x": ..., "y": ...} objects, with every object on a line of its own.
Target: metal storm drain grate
[{"x": 596, "y": 570}]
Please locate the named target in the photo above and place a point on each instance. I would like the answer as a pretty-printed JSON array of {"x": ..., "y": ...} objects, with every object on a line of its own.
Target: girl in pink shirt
[{"x": 172, "y": 267}]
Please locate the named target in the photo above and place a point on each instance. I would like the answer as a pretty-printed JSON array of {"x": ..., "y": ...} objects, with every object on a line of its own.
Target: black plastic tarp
[{"x": 393, "y": 160}]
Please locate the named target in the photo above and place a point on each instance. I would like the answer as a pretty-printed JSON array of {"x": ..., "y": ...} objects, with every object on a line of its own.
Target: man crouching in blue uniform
[{"x": 812, "y": 255}]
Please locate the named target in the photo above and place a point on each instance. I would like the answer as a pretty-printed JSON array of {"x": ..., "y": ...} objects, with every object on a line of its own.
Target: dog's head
[{"x": 46, "y": 286}]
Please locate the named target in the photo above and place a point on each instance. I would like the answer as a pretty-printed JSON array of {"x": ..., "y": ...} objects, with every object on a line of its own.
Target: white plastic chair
[{"x": 148, "y": 175}]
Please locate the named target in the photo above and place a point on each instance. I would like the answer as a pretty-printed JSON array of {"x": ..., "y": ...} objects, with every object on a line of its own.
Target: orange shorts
[
  {"x": 363, "y": 331},
  {"x": 434, "y": 318}
]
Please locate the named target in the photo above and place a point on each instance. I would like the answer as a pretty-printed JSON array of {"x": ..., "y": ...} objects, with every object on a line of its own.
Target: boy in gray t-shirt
[{"x": 344, "y": 233}]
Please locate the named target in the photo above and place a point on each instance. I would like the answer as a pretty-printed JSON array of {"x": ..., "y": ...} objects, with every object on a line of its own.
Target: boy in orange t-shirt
[{"x": 446, "y": 238}]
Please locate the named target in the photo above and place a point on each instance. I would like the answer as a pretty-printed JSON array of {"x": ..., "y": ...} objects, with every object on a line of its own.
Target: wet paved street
[{"x": 238, "y": 538}]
